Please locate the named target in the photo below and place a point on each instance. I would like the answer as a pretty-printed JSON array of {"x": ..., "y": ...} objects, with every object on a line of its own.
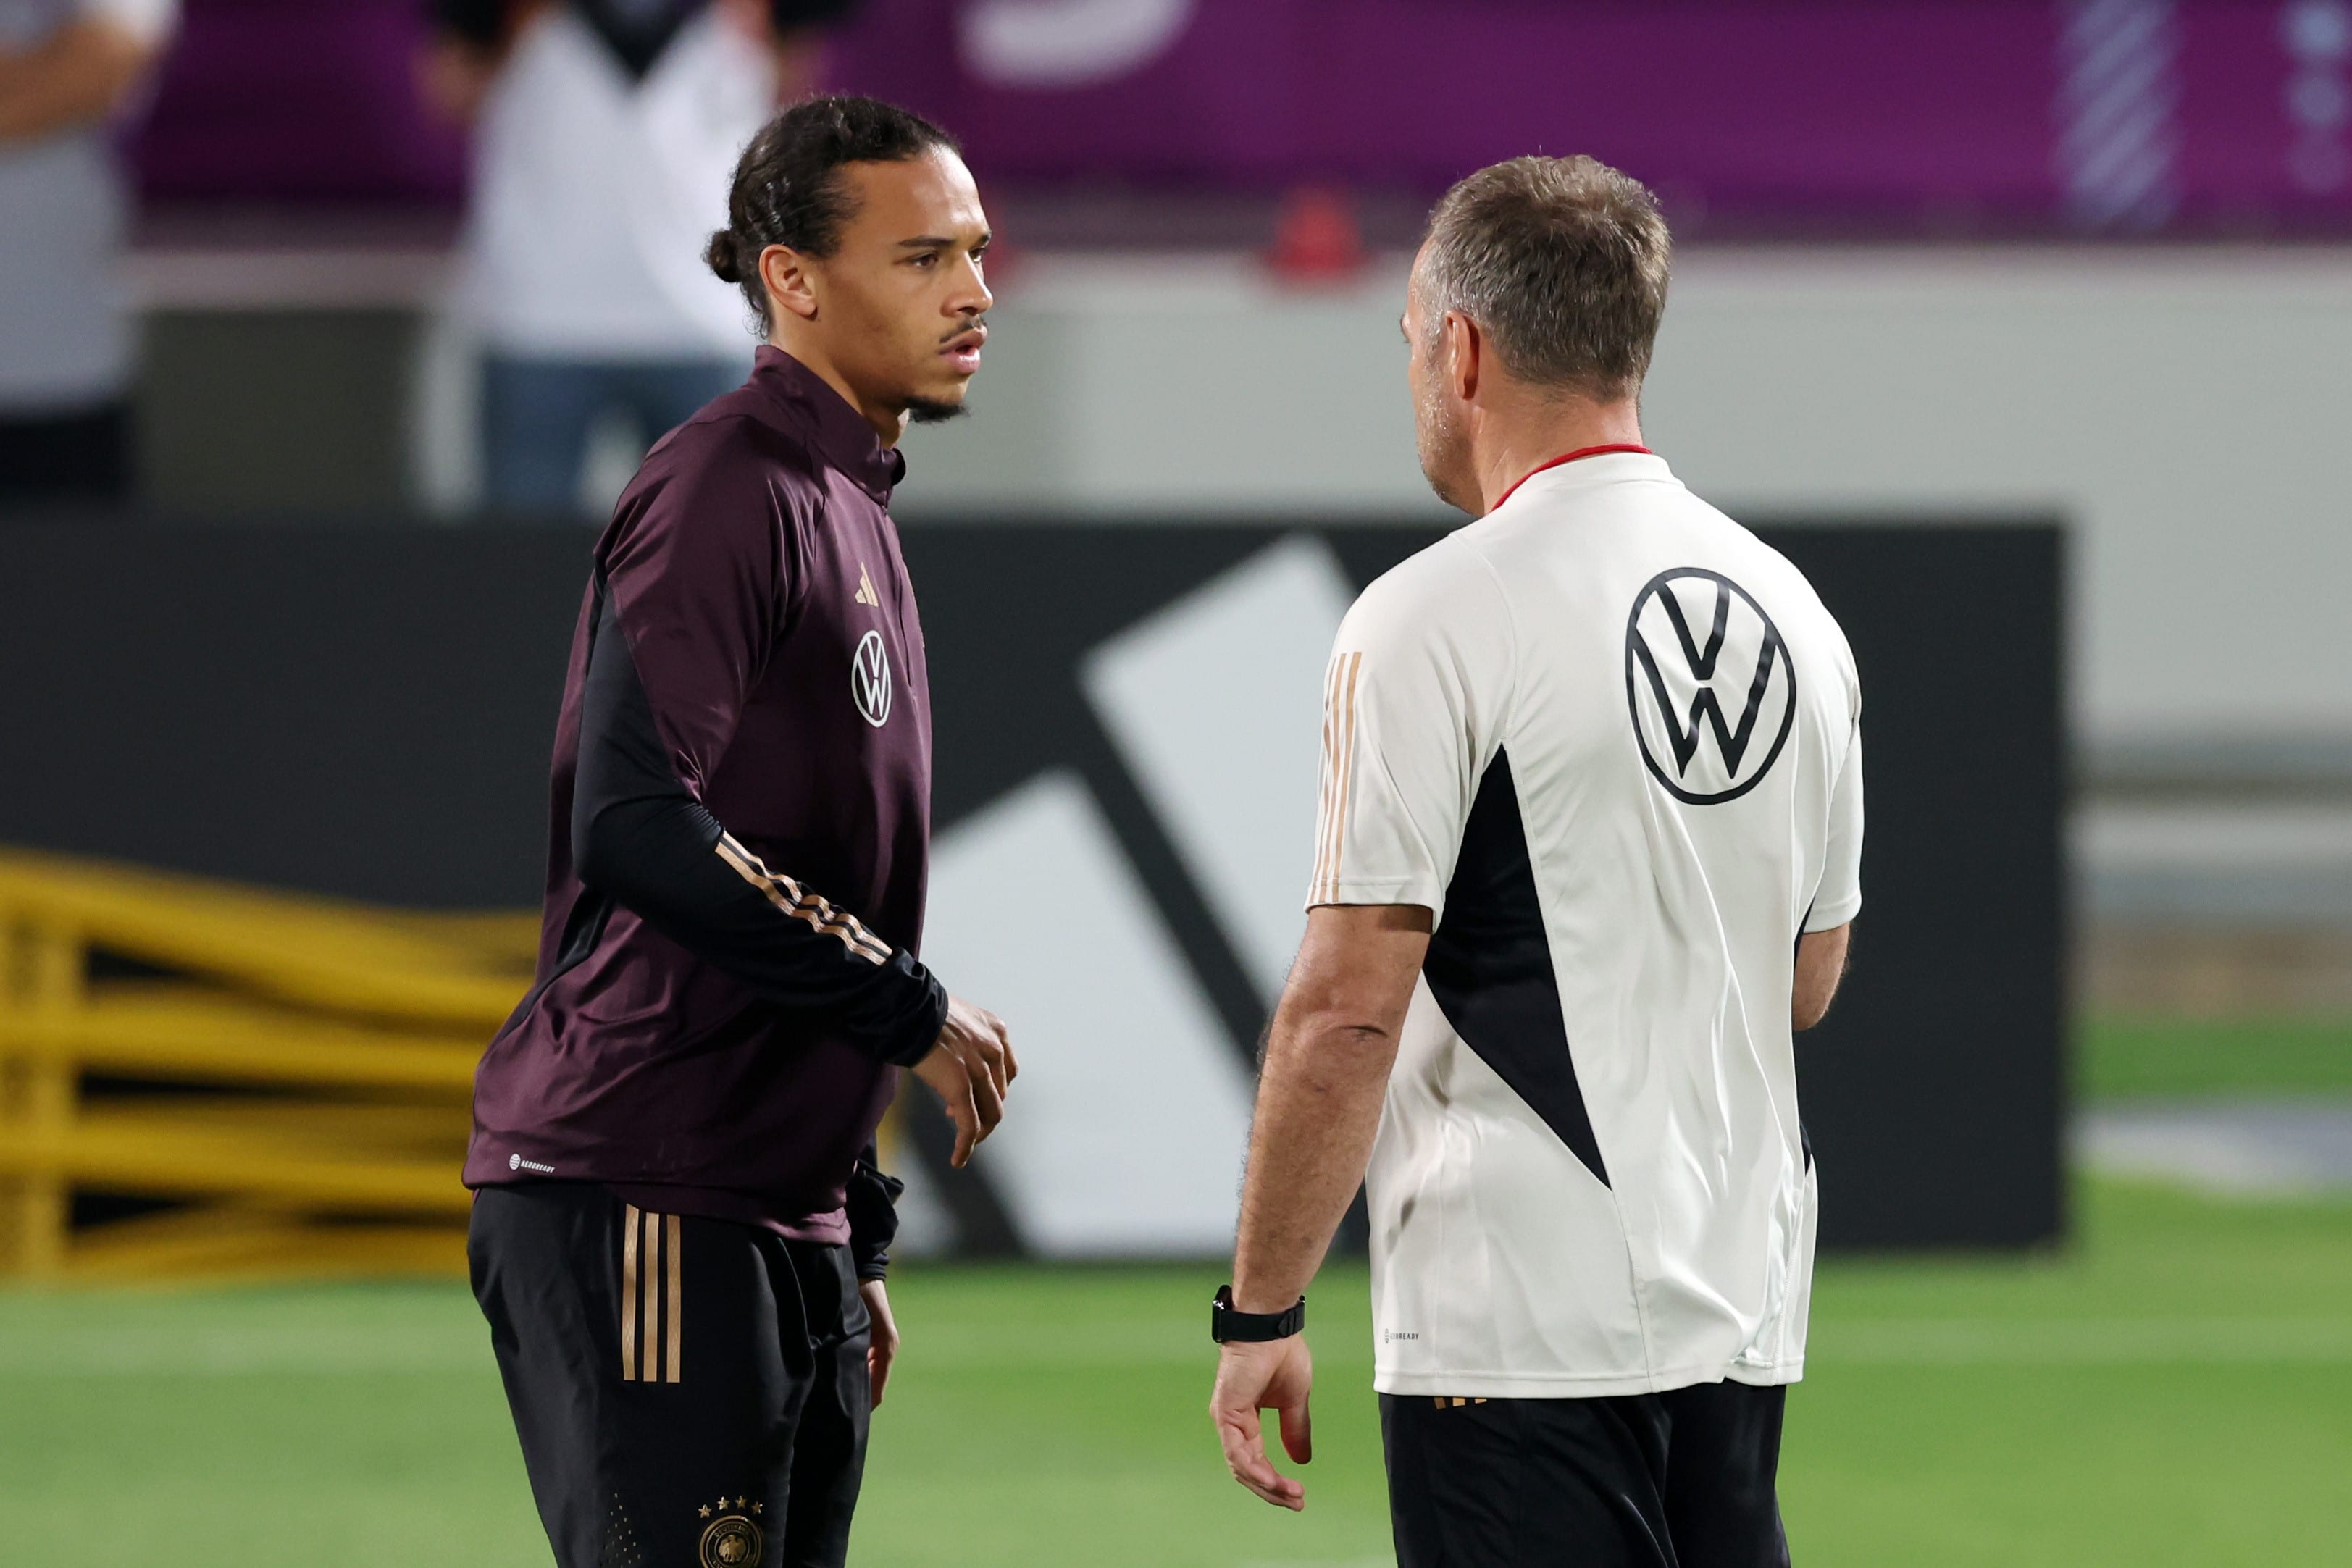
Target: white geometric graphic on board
[
  {"x": 1216, "y": 705},
  {"x": 1126, "y": 1130}
]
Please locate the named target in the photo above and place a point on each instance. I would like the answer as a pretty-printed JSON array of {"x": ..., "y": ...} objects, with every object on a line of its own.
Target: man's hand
[
  {"x": 1274, "y": 1375},
  {"x": 454, "y": 77},
  {"x": 971, "y": 1068},
  {"x": 76, "y": 76},
  {"x": 883, "y": 1347}
]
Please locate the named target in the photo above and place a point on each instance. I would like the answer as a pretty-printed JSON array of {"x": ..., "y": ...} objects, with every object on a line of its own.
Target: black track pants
[
  {"x": 691, "y": 1393},
  {"x": 1682, "y": 1479}
]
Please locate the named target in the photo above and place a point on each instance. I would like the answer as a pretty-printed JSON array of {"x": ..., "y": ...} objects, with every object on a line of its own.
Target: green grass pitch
[
  {"x": 2198, "y": 1059},
  {"x": 2175, "y": 1388}
]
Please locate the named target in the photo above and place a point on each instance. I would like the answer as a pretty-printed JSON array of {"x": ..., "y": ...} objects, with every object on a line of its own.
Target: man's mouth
[{"x": 962, "y": 350}]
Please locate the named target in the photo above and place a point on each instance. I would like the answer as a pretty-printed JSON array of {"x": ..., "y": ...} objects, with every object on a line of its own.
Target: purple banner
[
  {"x": 1936, "y": 116},
  {"x": 297, "y": 101},
  {"x": 1947, "y": 113}
]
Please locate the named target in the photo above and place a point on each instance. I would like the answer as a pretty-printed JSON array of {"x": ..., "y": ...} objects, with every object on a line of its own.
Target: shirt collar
[
  {"x": 1565, "y": 458},
  {"x": 839, "y": 432}
]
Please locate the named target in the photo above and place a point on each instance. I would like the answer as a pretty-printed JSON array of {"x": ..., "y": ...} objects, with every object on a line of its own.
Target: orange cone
[{"x": 1317, "y": 238}]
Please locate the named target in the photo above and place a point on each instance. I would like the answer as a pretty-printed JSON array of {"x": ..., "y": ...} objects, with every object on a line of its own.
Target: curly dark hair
[{"x": 788, "y": 186}]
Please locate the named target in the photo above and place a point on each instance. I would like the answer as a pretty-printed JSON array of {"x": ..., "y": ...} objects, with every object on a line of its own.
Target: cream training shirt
[
  {"x": 1611, "y": 739},
  {"x": 595, "y": 194}
]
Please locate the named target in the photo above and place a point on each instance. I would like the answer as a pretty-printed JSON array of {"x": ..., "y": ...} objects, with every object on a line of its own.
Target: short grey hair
[{"x": 1563, "y": 262}]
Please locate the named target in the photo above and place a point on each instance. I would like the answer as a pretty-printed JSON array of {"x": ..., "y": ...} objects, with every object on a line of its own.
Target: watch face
[{"x": 1221, "y": 1315}]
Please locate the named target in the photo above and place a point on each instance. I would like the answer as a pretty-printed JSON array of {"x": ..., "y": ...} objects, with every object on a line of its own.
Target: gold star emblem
[
  {"x": 759, "y": 1508},
  {"x": 738, "y": 1502},
  {"x": 704, "y": 1512}
]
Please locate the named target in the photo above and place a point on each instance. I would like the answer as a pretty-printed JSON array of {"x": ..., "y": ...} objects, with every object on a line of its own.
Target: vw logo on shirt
[
  {"x": 1711, "y": 686},
  {"x": 869, "y": 679}
]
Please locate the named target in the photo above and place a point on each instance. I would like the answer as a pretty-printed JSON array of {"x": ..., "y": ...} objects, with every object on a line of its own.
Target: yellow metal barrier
[{"x": 293, "y": 1100}]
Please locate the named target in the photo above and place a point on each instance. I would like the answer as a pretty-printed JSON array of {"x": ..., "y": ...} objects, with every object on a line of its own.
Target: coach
[{"x": 1591, "y": 842}]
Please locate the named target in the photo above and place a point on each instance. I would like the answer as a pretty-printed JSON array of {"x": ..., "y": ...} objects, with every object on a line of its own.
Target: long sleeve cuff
[{"x": 873, "y": 1204}]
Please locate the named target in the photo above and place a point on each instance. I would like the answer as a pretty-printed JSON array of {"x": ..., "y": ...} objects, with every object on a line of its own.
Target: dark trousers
[
  {"x": 536, "y": 414},
  {"x": 1682, "y": 1479},
  {"x": 82, "y": 456},
  {"x": 689, "y": 1393}
]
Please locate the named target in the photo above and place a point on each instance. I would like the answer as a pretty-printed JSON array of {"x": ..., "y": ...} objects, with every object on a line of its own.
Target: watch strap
[{"x": 1229, "y": 1325}]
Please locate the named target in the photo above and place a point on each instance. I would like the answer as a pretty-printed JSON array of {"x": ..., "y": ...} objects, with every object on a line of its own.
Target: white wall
[{"x": 2187, "y": 409}]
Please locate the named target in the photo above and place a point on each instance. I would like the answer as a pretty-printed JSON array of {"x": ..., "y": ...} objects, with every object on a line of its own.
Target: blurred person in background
[
  {"x": 1592, "y": 839},
  {"x": 67, "y": 339},
  {"x": 604, "y": 133},
  {"x": 680, "y": 1235}
]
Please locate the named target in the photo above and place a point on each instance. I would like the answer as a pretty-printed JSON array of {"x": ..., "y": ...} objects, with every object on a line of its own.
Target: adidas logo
[
  {"x": 866, "y": 594},
  {"x": 1211, "y": 704}
]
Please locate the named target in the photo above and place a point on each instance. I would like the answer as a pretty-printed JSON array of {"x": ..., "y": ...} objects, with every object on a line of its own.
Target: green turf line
[
  {"x": 2173, "y": 1387},
  {"x": 2175, "y": 1059}
]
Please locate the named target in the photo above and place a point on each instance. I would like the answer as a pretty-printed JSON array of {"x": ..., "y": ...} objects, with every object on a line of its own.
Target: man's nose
[{"x": 975, "y": 298}]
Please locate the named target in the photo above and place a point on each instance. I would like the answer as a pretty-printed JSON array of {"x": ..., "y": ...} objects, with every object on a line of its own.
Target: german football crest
[{"x": 732, "y": 1538}]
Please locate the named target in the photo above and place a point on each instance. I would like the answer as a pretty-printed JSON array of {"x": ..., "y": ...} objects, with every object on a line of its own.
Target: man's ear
[
  {"x": 785, "y": 272},
  {"x": 1465, "y": 351}
]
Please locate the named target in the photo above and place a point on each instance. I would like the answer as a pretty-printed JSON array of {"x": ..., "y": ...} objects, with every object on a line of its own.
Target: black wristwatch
[{"x": 1229, "y": 1326}]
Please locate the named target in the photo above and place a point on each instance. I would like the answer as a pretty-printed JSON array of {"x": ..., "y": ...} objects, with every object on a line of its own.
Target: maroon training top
[{"x": 741, "y": 832}]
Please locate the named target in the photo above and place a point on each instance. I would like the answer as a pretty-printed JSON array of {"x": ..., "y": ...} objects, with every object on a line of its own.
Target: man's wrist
[
  {"x": 1230, "y": 1324},
  {"x": 1253, "y": 1296},
  {"x": 919, "y": 1034}
]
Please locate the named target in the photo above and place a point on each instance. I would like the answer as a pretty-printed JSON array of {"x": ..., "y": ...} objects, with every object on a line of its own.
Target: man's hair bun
[{"x": 720, "y": 256}]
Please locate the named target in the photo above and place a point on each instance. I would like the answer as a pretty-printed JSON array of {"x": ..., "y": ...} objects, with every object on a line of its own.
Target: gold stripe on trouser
[
  {"x": 628, "y": 1293},
  {"x": 652, "y": 1294},
  {"x": 650, "y": 1283},
  {"x": 676, "y": 1313}
]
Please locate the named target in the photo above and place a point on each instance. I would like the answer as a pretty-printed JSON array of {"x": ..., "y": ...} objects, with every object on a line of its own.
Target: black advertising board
[{"x": 366, "y": 712}]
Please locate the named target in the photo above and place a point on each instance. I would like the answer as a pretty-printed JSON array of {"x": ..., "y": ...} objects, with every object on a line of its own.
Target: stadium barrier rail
[{"x": 201, "y": 1078}]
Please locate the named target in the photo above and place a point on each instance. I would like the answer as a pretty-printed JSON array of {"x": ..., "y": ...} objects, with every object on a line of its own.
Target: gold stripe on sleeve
[
  {"x": 1347, "y": 775},
  {"x": 801, "y": 905},
  {"x": 1323, "y": 788},
  {"x": 1339, "y": 773}
]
